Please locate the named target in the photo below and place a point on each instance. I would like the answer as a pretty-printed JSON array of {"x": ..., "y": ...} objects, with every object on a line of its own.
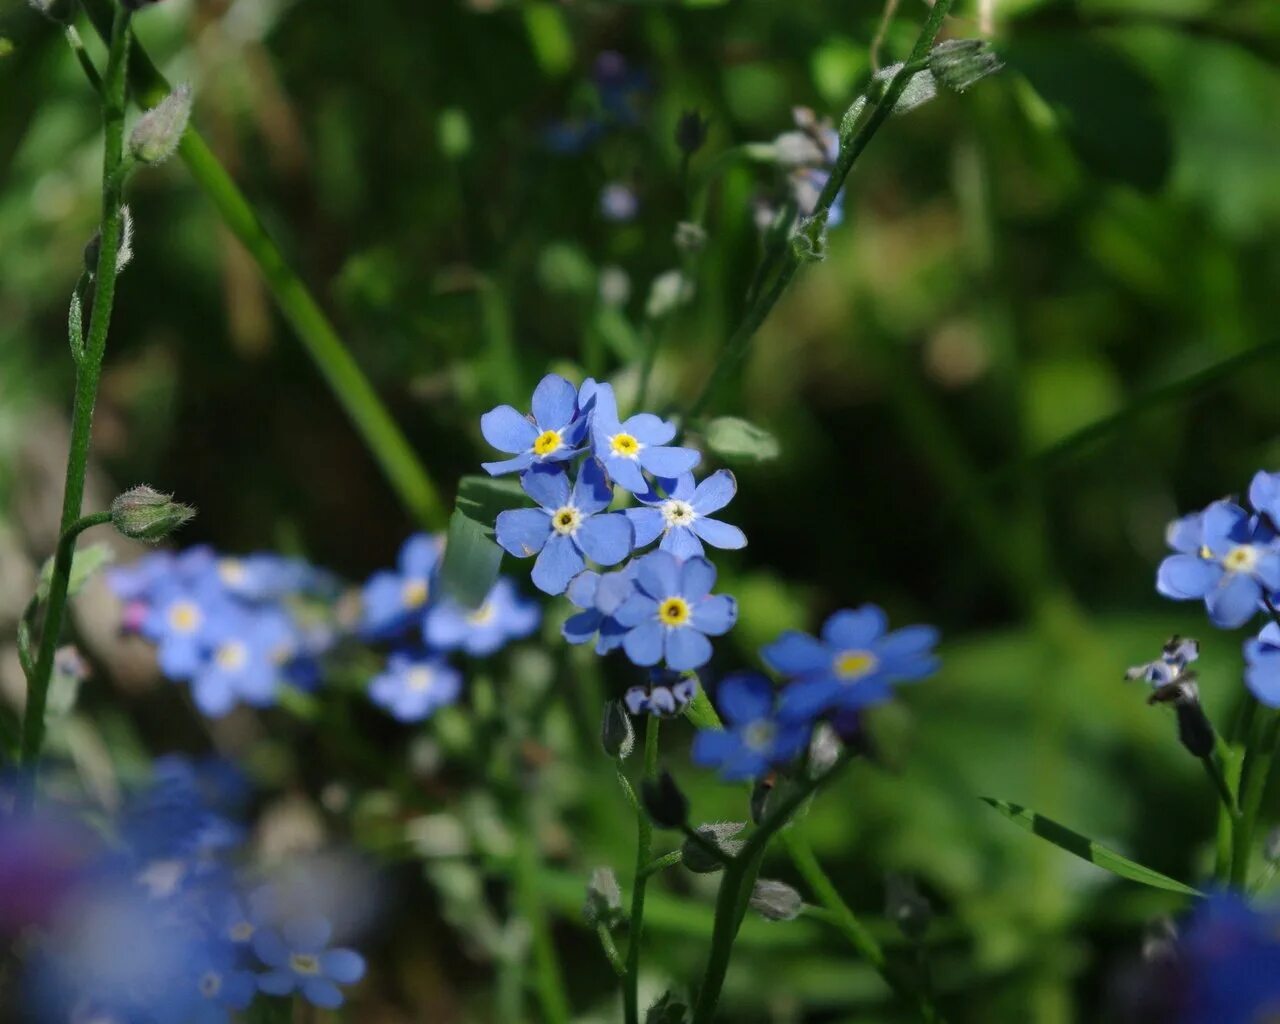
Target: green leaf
[
  {"x": 737, "y": 440},
  {"x": 87, "y": 561},
  {"x": 471, "y": 555},
  {"x": 1086, "y": 849}
]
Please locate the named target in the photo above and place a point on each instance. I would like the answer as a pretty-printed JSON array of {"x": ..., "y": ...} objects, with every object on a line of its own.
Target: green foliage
[{"x": 471, "y": 555}]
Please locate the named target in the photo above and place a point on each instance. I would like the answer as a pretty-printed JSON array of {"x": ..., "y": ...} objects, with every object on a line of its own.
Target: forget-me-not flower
[
  {"x": 667, "y": 694},
  {"x": 247, "y": 655},
  {"x": 599, "y": 596},
  {"x": 394, "y": 599},
  {"x": 1178, "y": 653},
  {"x": 178, "y": 623},
  {"x": 301, "y": 961},
  {"x": 639, "y": 443},
  {"x": 1235, "y": 561},
  {"x": 682, "y": 518},
  {"x": 853, "y": 665},
  {"x": 551, "y": 434},
  {"x": 503, "y": 616},
  {"x": 412, "y": 687},
  {"x": 569, "y": 526},
  {"x": 754, "y": 739},
  {"x": 673, "y": 612}
]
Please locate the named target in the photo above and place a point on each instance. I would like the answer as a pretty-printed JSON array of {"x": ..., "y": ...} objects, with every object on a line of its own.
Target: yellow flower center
[
  {"x": 625, "y": 445},
  {"x": 678, "y": 513},
  {"x": 547, "y": 442},
  {"x": 1204, "y": 552},
  {"x": 184, "y": 616},
  {"x": 241, "y": 931},
  {"x": 481, "y": 615},
  {"x": 418, "y": 679},
  {"x": 232, "y": 656},
  {"x": 231, "y": 571},
  {"x": 566, "y": 520},
  {"x": 1243, "y": 558},
  {"x": 305, "y": 963},
  {"x": 853, "y": 665},
  {"x": 414, "y": 593},
  {"x": 211, "y": 984},
  {"x": 674, "y": 611}
]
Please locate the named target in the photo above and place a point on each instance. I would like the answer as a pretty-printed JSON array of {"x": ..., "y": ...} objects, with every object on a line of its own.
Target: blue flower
[
  {"x": 265, "y": 576},
  {"x": 394, "y": 599},
  {"x": 504, "y": 616},
  {"x": 1228, "y": 565},
  {"x": 754, "y": 739},
  {"x": 599, "y": 596},
  {"x": 551, "y": 434},
  {"x": 215, "y": 985},
  {"x": 301, "y": 962},
  {"x": 248, "y": 653},
  {"x": 1178, "y": 653},
  {"x": 854, "y": 664},
  {"x": 1262, "y": 665},
  {"x": 666, "y": 696},
  {"x": 638, "y": 444},
  {"x": 618, "y": 202},
  {"x": 681, "y": 518},
  {"x": 568, "y": 526},
  {"x": 673, "y": 612},
  {"x": 412, "y": 687},
  {"x": 179, "y": 623}
]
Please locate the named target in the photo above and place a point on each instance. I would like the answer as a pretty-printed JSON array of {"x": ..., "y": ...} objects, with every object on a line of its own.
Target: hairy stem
[{"x": 644, "y": 850}]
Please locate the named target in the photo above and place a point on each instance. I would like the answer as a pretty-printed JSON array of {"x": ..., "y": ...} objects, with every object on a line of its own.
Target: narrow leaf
[
  {"x": 1086, "y": 849},
  {"x": 86, "y": 562},
  {"x": 471, "y": 556}
]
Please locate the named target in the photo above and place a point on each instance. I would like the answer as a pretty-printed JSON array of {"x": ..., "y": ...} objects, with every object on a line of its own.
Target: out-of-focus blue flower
[
  {"x": 504, "y": 616},
  {"x": 754, "y": 739},
  {"x": 179, "y": 623},
  {"x": 666, "y": 696},
  {"x": 215, "y": 985},
  {"x": 1262, "y": 665},
  {"x": 619, "y": 202},
  {"x": 265, "y": 576},
  {"x": 1235, "y": 560},
  {"x": 673, "y": 612},
  {"x": 599, "y": 596},
  {"x": 640, "y": 443},
  {"x": 394, "y": 599},
  {"x": 853, "y": 665},
  {"x": 569, "y": 526},
  {"x": 682, "y": 518},
  {"x": 1178, "y": 653},
  {"x": 551, "y": 434},
  {"x": 412, "y": 687},
  {"x": 300, "y": 961},
  {"x": 247, "y": 655},
  {"x": 621, "y": 86}
]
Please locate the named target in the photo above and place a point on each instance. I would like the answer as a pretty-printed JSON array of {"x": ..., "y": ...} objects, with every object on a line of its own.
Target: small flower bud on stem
[
  {"x": 147, "y": 515},
  {"x": 156, "y": 136},
  {"x": 775, "y": 901}
]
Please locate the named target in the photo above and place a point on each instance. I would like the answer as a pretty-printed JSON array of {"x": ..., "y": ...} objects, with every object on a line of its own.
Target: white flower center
[
  {"x": 232, "y": 657},
  {"x": 418, "y": 678},
  {"x": 566, "y": 520},
  {"x": 1243, "y": 558},
  {"x": 758, "y": 736},
  {"x": 678, "y": 513},
  {"x": 241, "y": 931},
  {"x": 305, "y": 963}
]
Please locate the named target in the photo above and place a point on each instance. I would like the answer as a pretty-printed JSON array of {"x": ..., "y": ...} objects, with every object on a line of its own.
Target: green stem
[
  {"x": 88, "y": 371},
  {"x": 346, "y": 380},
  {"x": 736, "y": 347},
  {"x": 1253, "y": 785},
  {"x": 667, "y": 860},
  {"x": 547, "y": 980},
  {"x": 644, "y": 851},
  {"x": 611, "y": 950}
]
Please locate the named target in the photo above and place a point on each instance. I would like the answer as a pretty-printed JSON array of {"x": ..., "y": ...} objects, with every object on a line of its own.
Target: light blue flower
[
  {"x": 640, "y": 443},
  {"x": 1229, "y": 566},
  {"x": 599, "y": 596},
  {"x": 853, "y": 665},
  {"x": 673, "y": 612},
  {"x": 755, "y": 739},
  {"x": 216, "y": 985},
  {"x": 568, "y": 527},
  {"x": 1178, "y": 653},
  {"x": 682, "y": 518},
  {"x": 394, "y": 600},
  {"x": 248, "y": 655},
  {"x": 502, "y": 617},
  {"x": 551, "y": 434},
  {"x": 300, "y": 961},
  {"x": 179, "y": 622},
  {"x": 1262, "y": 665},
  {"x": 412, "y": 687}
]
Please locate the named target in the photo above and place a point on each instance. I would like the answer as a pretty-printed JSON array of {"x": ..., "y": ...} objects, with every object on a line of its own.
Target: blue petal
[
  {"x": 712, "y": 747},
  {"x": 863, "y": 694},
  {"x": 547, "y": 485},
  {"x": 606, "y": 538},
  {"x": 855, "y": 630},
  {"x": 658, "y": 575},
  {"x": 615, "y": 589},
  {"x": 683, "y": 489},
  {"x": 789, "y": 740},
  {"x": 669, "y": 461},
  {"x": 716, "y": 615},
  {"x": 1270, "y": 634},
  {"x": 555, "y": 401},
  {"x": 1264, "y": 493},
  {"x": 445, "y": 627},
  {"x": 523, "y": 532},
  {"x": 270, "y": 948},
  {"x": 277, "y": 983},
  {"x": 582, "y": 591},
  {"x": 507, "y": 430},
  {"x": 715, "y": 492},
  {"x": 344, "y": 966},
  {"x": 650, "y": 430},
  {"x": 516, "y": 465},
  {"x": 1262, "y": 676},
  {"x": 322, "y": 993},
  {"x": 625, "y": 473},
  {"x": 1182, "y": 577},
  {"x": 682, "y": 542},
  {"x": 697, "y": 577},
  {"x": 635, "y": 610},
  {"x": 905, "y": 642},
  {"x": 180, "y": 657},
  {"x": 308, "y": 934},
  {"x": 592, "y": 492},
  {"x": 807, "y": 698},
  {"x": 648, "y": 524},
  {"x": 604, "y": 415},
  {"x": 1268, "y": 570},
  {"x": 612, "y": 635},
  {"x": 1185, "y": 535},
  {"x": 582, "y": 628},
  {"x": 1226, "y": 525},
  {"x": 686, "y": 649},
  {"x": 1234, "y": 601},
  {"x": 559, "y": 563},
  {"x": 745, "y": 764},
  {"x": 213, "y": 693},
  {"x": 720, "y": 535},
  {"x": 418, "y": 556},
  {"x": 643, "y": 644},
  {"x": 796, "y": 653},
  {"x": 745, "y": 697}
]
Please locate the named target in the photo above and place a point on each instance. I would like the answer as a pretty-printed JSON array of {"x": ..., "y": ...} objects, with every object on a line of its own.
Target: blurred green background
[{"x": 1091, "y": 237}]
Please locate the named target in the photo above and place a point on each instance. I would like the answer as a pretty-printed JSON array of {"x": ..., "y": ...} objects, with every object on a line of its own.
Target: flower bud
[
  {"x": 775, "y": 900},
  {"x": 604, "y": 899},
  {"x": 960, "y": 63},
  {"x": 669, "y": 291},
  {"x": 146, "y": 514},
  {"x": 824, "y": 749},
  {"x": 617, "y": 734},
  {"x": 907, "y": 907},
  {"x": 666, "y": 804},
  {"x": 691, "y": 132},
  {"x": 156, "y": 136},
  {"x": 690, "y": 237},
  {"x": 1195, "y": 731},
  {"x": 62, "y": 12},
  {"x": 720, "y": 834}
]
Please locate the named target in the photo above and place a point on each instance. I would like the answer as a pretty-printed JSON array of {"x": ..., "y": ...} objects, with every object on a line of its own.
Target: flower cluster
[
  {"x": 1228, "y": 556},
  {"x": 575, "y": 453},
  {"x": 160, "y": 925},
  {"x": 235, "y": 629},
  {"x": 402, "y": 606}
]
